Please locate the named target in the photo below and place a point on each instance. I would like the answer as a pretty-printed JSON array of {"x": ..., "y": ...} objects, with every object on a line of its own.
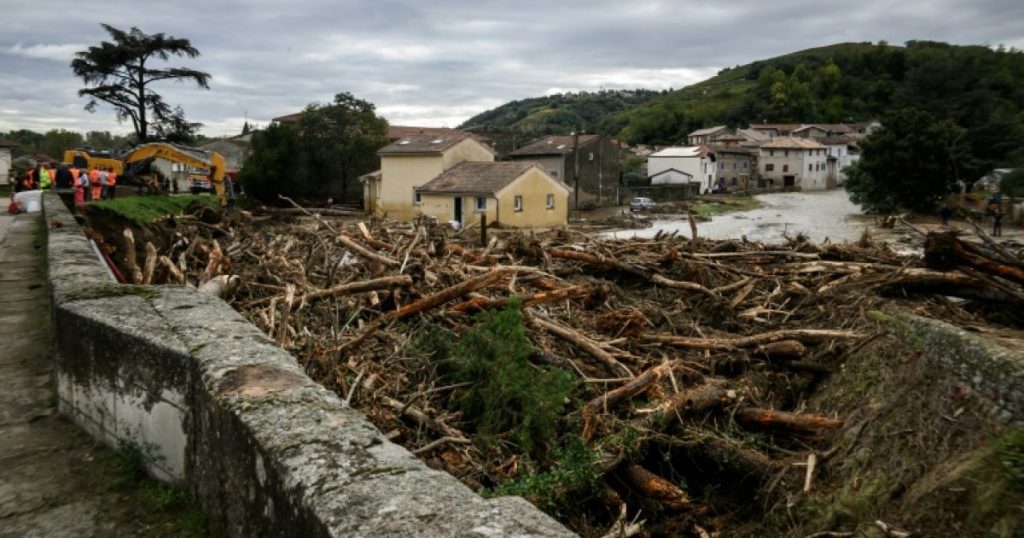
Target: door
[
  {"x": 458, "y": 209},
  {"x": 789, "y": 181}
]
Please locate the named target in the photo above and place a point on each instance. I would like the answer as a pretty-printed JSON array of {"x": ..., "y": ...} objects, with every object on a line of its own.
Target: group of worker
[{"x": 89, "y": 184}]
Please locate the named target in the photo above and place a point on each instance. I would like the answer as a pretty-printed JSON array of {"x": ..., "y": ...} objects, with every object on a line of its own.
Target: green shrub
[
  {"x": 571, "y": 479},
  {"x": 510, "y": 394},
  {"x": 1012, "y": 184}
]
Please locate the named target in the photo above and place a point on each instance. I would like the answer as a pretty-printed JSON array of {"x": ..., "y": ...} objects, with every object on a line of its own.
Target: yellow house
[
  {"x": 412, "y": 161},
  {"x": 518, "y": 194}
]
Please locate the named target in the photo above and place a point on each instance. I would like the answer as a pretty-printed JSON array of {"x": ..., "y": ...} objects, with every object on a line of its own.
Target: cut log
[
  {"x": 691, "y": 402},
  {"x": 448, "y": 294},
  {"x": 130, "y": 262},
  {"x": 656, "y": 488},
  {"x": 681, "y": 285},
  {"x": 610, "y": 399},
  {"x": 781, "y": 350},
  {"x": 364, "y": 252},
  {"x": 582, "y": 342},
  {"x": 383, "y": 283},
  {"x": 783, "y": 420},
  {"x": 483, "y": 303},
  {"x": 150, "y": 264}
]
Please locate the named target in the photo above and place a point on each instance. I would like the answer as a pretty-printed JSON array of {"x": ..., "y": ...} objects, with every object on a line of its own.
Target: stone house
[
  {"x": 516, "y": 194},
  {"x": 736, "y": 168},
  {"x": 593, "y": 159},
  {"x": 794, "y": 162},
  {"x": 695, "y": 162},
  {"x": 410, "y": 163},
  {"x": 706, "y": 136}
]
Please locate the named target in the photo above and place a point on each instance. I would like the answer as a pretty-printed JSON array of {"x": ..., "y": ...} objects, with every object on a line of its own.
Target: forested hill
[{"x": 980, "y": 88}]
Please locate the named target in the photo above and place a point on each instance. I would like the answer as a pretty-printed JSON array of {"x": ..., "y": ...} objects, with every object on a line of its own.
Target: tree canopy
[
  {"x": 324, "y": 154},
  {"x": 120, "y": 73},
  {"x": 912, "y": 162}
]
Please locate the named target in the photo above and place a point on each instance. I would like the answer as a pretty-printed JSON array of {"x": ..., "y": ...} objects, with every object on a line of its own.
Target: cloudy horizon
[{"x": 440, "y": 63}]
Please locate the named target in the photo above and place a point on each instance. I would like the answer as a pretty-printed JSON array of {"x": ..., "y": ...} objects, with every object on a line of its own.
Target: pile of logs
[{"x": 696, "y": 347}]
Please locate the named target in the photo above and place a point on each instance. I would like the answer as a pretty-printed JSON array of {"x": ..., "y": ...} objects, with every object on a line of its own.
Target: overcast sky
[{"x": 438, "y": 62}]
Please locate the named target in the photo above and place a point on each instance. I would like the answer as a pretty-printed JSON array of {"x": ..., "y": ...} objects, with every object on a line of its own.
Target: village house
[
  {"x": 795, "y": 162},
  {"x": 410, "y": 163},
  {"x": 822, "y": 130},
  {"x": 844, "y": 150},
  {"x": 735, "y": 167},
  {"x": 692, "y": 165},
  {"x": 772, "y": 130},
  {"x": 516, "y": 194},
  {"x": 588, "y": 164},
  {"x": 706, "y": 136}
]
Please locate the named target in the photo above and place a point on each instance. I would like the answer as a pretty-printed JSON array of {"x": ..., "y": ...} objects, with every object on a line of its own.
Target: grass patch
[
  {"x": 167, "y": 505},
  {"x": 708, "y": 207},
  {"x": 145, "y": 209}
]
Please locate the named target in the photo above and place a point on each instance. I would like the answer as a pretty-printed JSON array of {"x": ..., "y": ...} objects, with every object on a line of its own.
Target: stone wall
[
  {"x": 220, "y": 408},
  {"x": 993, "y": 370}
]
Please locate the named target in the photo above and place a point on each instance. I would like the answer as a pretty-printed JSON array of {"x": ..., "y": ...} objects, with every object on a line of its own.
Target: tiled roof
[
  {"x": 707, "y": 131},
  {"x": 423, "y": 143},
  {"x": 288, "y": 118},
  {"x": 731, "y": 149},
  {"x": 837, "y": 140},
  {"x": 396, "y": 132},
  {"x": 478, "y": 178},
  {"x": 790, "y": 142},
  {"x": 553, "y": 145},
  {"x": 688, "y": 151},
  {"x": 780, "y": 127}
]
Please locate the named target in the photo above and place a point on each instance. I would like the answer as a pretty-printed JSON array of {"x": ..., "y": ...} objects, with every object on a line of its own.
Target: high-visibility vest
[
  {"x": 94, "y": 176},
  {"x": 44, "y": 178},
  {"x": 112, "y": 178},
  {"x": 74, "y": 176}
]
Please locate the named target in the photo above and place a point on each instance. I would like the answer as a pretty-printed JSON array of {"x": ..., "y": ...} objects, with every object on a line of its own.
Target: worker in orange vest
[
  {"x": 94, "y": 183},
  {"x": 111, "y": 183},
  {"x": 80, "y": 183},
  {"x": 52, "y": 169}
]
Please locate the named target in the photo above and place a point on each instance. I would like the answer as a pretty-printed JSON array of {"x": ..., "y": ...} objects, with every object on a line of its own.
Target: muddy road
[{"x": 818, "y": 215}]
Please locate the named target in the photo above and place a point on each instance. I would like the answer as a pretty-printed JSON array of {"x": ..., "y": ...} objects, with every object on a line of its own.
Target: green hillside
[{"x": 979, "y": 88}]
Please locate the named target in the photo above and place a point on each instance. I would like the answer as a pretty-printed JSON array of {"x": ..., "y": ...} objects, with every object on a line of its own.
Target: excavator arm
[{"x": 210, "y": 160}]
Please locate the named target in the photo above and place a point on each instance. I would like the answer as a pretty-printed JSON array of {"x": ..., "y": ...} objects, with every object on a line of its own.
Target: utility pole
[{"x": 576, "y": 167}]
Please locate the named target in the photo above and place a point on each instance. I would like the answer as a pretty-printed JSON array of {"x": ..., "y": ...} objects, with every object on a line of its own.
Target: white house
[
  {"x": 845, "y": 151},
  {"x": 671, "y": 177},
  {"x": 696, "y": 162},
  {"x": 795, "y": 162}
]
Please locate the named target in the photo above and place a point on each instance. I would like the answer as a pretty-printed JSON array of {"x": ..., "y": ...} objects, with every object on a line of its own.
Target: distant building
[
  {"x": 794, "y": 162},
  {"x": 517, "y": 194},
  {"x": 736, "y": 168},
  {"x": 705, "y": 136},
  {"x": 772, "y": 130},
  {"x": 410, "y": 163},
  {"x": 696, "y": 162},
  {"x": 593, "y": 159},
  {"x": 235, "y": 150},
  {"x": 844, "y": 150}
]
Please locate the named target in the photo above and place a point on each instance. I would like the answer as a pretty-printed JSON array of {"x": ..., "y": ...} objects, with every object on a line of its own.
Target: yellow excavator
[{"x": 132, "y": 162}]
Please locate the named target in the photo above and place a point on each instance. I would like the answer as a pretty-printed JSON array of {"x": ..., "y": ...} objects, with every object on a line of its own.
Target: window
[
  {"x": 810, "y": 168},
  {"x": 785, "y": 153},
  {"x": 785, "y": 168},
  {"x": 517, "y": 203},
  {"x": 734, "y": 182},
  {"x": 733, "y": 166},
  {"x": 554, "y": 173},
  {"x": 769, "y": 167},
  {"x": 745, "y": 164},
  {"x": 771, "y": 153},
  {"x": 551, "y": 201},
  {"x": 721, "y": 165},
  {"x": 481, "y": 203},
  {"x": 416, "y": 198}
]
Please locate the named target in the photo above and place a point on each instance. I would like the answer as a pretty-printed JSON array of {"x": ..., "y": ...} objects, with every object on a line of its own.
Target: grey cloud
[{"x": 442, "y": 61}]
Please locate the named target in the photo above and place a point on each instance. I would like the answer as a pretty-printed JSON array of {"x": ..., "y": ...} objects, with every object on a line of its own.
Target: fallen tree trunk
[
  {"x": 478, "y": 304},
  {"x": 613, "y": 397},
  {"x": 383, "y": 283},
  {"x": 360, "y": 250},
  {"x": 781, "y": 350},
  {"x": 655, "y": 488},
  {"x": 582, "y": 342},
  {"x": 784, "y": 420},
  {"x": 802, "y": 335}
]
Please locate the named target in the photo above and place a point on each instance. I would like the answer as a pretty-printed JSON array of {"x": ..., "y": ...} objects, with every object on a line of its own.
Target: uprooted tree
[{"x": 121, "y": 72}]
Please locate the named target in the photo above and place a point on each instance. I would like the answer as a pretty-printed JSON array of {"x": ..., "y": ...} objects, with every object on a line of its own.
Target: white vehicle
[{"x": 640, "y": 204}]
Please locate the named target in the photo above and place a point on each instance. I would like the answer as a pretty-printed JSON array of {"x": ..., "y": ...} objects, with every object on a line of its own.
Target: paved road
[{"x": 54, "y": 481}]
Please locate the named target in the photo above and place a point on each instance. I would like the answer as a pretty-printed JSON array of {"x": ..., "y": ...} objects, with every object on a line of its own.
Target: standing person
[
  {"x": 104, "y": 184},
  {"x": 997, "y": 222},
  {"x": 52, "y": 169},
  {"x": 946, "y": 213},
  {"x": 229, "y": 189},
  {"x": 43, "y": 176},
  {"x": 112, "y": 180},
  {"x": 94, "y": 184},
  {"x": 81, "y": 183},
  {"x": 63, "y": 178}
]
